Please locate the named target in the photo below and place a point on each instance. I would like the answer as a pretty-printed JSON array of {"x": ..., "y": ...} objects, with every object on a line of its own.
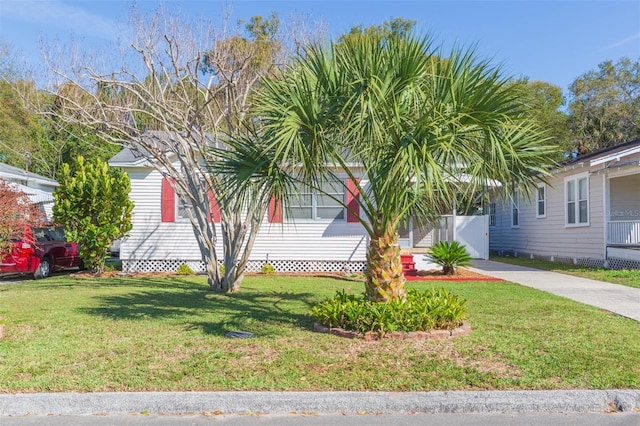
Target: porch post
[
  {"x": 606, "y": 215},
  {"x": 453, "y": 219}
]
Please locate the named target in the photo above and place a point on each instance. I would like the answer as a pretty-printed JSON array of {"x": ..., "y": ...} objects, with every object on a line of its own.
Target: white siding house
[
  {"x": 161, "y": 240},
  {"x": 320, "y": 235},
  {"x": 588, "y": 213}
]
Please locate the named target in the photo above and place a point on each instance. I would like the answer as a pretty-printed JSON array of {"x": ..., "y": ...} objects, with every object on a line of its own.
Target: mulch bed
[{"x": 461, "y": 274}]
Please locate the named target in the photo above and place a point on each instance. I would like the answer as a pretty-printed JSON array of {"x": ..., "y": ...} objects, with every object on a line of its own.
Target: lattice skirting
[
  {"x": 615, "y": 263},
  {"x": 611, "y": 263},
  {"x": 130, "y": 265}
]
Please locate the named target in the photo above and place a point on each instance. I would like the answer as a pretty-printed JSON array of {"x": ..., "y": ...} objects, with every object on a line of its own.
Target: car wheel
[{"x": 44, "y": 270}]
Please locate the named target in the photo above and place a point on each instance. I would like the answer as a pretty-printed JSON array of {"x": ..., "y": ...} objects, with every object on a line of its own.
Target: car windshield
[
  {"x": 57, "y": 234},
  {"x": 40, "y": 235}
]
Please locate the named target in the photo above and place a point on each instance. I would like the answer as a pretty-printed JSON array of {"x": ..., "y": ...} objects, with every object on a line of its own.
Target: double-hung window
[
  {"x": 541, "y": 200},
  {"x": 181, "y": 209},
  {"x": 492, "y": 213},
  {"x": 577, "y": 200},
  {"x": 311, "y": 204},
  {"x": 515, "y": 209}
]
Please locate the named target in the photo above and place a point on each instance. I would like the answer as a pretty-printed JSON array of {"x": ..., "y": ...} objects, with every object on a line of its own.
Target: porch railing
[{"x": 623, "y": 232}]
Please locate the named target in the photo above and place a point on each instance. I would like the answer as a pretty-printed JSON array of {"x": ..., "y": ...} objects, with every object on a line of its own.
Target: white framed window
[
  {"x": 492, "y": 213},
  {"x": 311, "y": 204},
  {"x": 515, "y": 209},
  {"x": 541, "y": 200},
  {"x": 576, "y": 190}
]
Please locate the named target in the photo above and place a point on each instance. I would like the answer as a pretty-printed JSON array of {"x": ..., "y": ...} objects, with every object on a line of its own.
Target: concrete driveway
[{"x": 616, "y": 298}]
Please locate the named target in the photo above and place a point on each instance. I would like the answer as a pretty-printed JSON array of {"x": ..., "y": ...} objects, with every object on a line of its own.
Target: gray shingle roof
[
  {"x": 15, "y": 174},
  {"x": 136, "y": 155}
]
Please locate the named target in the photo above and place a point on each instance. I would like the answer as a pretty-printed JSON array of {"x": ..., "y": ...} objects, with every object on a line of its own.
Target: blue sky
[{"x": 554, "y": 41}]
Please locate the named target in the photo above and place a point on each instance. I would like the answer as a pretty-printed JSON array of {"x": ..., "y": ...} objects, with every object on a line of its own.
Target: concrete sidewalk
[{"x": 615, "y": 298}]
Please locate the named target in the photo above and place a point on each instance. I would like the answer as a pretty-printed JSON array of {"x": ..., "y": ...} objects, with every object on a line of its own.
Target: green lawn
[
  {"x": 167, "y": 333},
  {"x": 628, "y": 277}
]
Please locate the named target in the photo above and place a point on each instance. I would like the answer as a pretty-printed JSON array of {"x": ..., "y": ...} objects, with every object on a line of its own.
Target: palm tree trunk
[{"x": 384, "y": 278}]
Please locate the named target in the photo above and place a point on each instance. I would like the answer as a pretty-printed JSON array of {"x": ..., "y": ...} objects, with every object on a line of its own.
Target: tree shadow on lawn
[{"x": 197, "y": 307}]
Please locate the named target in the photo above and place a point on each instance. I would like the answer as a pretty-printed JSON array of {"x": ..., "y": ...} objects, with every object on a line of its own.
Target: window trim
[
  {"x": 576, "y": 179},
  {"x": 542, "y": 186},
  {"x": 515, "y": 202}
]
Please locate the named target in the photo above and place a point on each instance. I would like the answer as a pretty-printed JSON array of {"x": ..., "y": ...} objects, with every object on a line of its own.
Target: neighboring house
[
  {"x": 37, "y": 188},
  {"x": 588, "y": 213},
  {"x": 320, "y": 235}
]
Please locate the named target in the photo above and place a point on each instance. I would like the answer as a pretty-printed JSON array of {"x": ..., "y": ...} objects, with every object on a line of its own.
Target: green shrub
[
  {"x": 422, "y": 311},
  {"x": 449, "y": 255},
  {"x": 184, "y": 269},
  {"x": 268, "y": 269},
  {"x": 92, "y": 203}
]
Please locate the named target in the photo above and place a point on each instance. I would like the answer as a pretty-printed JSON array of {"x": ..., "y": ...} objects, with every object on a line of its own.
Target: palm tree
[{"x": 390, "y": 109}]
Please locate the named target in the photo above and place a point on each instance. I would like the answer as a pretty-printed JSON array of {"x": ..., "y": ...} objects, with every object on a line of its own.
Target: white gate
[{"x": 471, "y": 231}]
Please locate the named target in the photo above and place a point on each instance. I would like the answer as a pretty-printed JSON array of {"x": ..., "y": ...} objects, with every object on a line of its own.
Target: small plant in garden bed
[
  {"x": 184, "y": 269},
  {"x": 422, "y": 311},
  {"x": 268, "y": 269},
  {"x": 449, "y": 255}
]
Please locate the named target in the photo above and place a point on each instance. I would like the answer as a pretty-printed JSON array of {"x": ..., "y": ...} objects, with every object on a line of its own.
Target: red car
[{"x": 41, "y": 250}]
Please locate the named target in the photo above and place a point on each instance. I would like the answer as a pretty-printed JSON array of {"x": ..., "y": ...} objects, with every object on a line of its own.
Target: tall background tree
[
  {"x": 604, "y": 106},
  {"x": 186, "y": 85},
  {"x": 394, "y": 27},
  {"x": 415, "y": 127},
  {"x": 544, "y": 102},
  {"x": 33, "y": 141},
  {"x": 92, "y": 203},
  {"x": 22, "y": 133}
]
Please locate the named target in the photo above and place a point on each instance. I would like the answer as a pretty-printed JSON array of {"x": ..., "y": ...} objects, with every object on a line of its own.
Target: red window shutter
[
  {"x": 168, "y": 203},
  {"x": 275, "y": 211},
  {"x": 352, "y": 200},
  {"x": 214, "y": 208}
]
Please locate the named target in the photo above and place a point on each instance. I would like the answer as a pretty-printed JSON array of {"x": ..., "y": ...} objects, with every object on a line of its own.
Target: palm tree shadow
[{"x": 263, "y": 313}]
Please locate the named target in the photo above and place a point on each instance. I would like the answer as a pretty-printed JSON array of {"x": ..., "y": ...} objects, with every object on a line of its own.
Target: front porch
[
  {"x": 623, "y": 240},
  {"x": 623, "y": 217}
]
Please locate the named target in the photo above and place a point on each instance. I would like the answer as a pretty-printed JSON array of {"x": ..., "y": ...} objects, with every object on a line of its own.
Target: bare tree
[{"x": 189, "y": 84}]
